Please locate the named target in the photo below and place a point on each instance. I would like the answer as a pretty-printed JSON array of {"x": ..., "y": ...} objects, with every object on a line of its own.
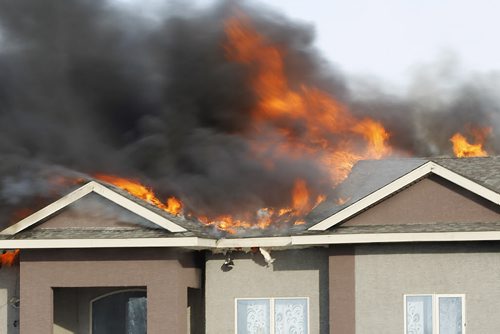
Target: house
[{"x": 413, "y": 248}]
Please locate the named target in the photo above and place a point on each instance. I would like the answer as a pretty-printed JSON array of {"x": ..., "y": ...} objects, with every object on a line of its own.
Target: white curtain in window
[
  {"x": 290, "y": 316},
  {"x": 450, "y": 315},
  {"x": 137, "y": 315},
  {"x": 419, "y": 315},
  {"x": 253, "y": 316}
]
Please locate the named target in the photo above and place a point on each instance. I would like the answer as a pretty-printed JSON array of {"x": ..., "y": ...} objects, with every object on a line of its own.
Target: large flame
[
  {"x": 327, "y": 132},
  {"x": 462, "y": 148},
  {"x": 327, "y": 128}
]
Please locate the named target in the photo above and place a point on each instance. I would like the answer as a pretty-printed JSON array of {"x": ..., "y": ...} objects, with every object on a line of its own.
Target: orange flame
[
  {"x": 300, "y": 197},
  {"x": 9, "y": 258},
  {"x": 262, "y": 219},
  {"x": 172, "y": 205},
  {"x": 462, "y": 148},
  {"x": 318, "y": 114}
]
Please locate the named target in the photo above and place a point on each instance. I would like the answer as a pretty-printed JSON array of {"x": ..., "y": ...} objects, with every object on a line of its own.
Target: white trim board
[
  {"x": 103, "y": 191},
  {"x": 275, "y": 242},
  {"x": 361, "y": 238},
  {"x": 398, "y": 184},
  {"x": 189, "y": 242}
]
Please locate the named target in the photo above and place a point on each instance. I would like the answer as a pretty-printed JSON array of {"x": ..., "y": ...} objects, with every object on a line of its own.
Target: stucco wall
[
  {"x": 166, "y": 273},
  {"x": 431, "y": 200},
  {"x": 9, "y": 288},
  {"x": 384, "y": 273},
  {"x": 295, "y": 273}
]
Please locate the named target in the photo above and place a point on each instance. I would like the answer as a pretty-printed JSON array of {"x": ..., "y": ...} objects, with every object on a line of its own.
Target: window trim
[
  {"x": 271, "y": 311},
  {"x": 91, "y": 302},
  {"x": 435, "y": 309}
]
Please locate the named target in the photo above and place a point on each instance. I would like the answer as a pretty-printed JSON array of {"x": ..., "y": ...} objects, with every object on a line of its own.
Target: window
[
  {"x": 272, "y": 316},
  {"x": 122, "y": 311},
  {"x": 434, "y": 314}
]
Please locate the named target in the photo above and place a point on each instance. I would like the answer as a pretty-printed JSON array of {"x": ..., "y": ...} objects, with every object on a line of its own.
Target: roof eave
[{"x": 274, "y": 242}]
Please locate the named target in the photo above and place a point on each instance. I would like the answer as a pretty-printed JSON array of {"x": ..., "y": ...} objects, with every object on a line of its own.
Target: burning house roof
[
  {"x": 229, "y": 118},
  {"x": 366, "y": 179}
]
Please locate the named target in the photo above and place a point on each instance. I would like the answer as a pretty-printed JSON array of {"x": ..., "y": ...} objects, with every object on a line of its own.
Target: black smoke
[{"x": 89, "y": 86}]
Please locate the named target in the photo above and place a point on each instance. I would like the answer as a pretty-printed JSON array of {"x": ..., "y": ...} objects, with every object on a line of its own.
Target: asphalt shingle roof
[
  {"x": 484, "y": 171},
  {"x": 91, "y": 233},
  {"x": 417, "y": 228}
]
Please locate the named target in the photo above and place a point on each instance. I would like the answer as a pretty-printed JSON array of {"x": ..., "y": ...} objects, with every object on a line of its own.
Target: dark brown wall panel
[
  {"x": 342, "y": 290},
  {"x": 429, "y": 201}
]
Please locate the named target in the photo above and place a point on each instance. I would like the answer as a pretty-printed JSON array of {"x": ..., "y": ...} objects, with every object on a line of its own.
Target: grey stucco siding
[
  {"x": 295, "y": 273},
  {"x": 9, "y": 290},
  {"x": 385, "y": 273}
]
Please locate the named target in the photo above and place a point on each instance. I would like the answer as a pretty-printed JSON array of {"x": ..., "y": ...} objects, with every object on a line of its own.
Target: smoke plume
[{"x": 91, "y": 87}]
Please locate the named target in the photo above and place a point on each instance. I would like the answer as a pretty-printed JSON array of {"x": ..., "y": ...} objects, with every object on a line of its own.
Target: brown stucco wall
[
  {"x": 430, "y": 200},
  {"x": 166, "y": 273},
  {"x": 342, "y": 289}
]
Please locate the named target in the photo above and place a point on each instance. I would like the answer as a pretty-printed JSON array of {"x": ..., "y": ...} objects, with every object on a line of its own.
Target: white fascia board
[
  {"x": 373, "y": 198},
  {"x": 319, "y": 240},
  {"x": 394, "y": 238},
  {"x": 191, "y": 242},
  {"x": 50, "y": 209},
  {"x": 254, "y": 242},
  {"x": 300, "y": 241},
  {"x": 137, "y": 208},
  {"x": 101, "y": 190}
]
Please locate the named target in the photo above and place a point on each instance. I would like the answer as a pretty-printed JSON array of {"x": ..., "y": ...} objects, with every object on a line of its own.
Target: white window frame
[
  {"x": 271, "y": 311},
  {"x": 435, "y": 309}
]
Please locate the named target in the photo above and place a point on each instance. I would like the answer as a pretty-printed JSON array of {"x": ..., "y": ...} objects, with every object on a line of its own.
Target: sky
[{"x": 390, "y": 39}]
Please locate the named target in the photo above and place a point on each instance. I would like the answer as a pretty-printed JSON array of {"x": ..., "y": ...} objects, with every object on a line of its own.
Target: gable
[
  {"x": 430, "y": 200},
  {"x": 127, "y": 202},
  {"x": 430, "y": 168},
  {"x": 93, "y": 211}
]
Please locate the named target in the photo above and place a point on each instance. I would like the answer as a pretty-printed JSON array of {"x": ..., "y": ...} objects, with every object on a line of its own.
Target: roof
[
  {"x": 369, "y": 183},
  {"x": 484, "y": 171},
  {"x": 87, "y": 233}
]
